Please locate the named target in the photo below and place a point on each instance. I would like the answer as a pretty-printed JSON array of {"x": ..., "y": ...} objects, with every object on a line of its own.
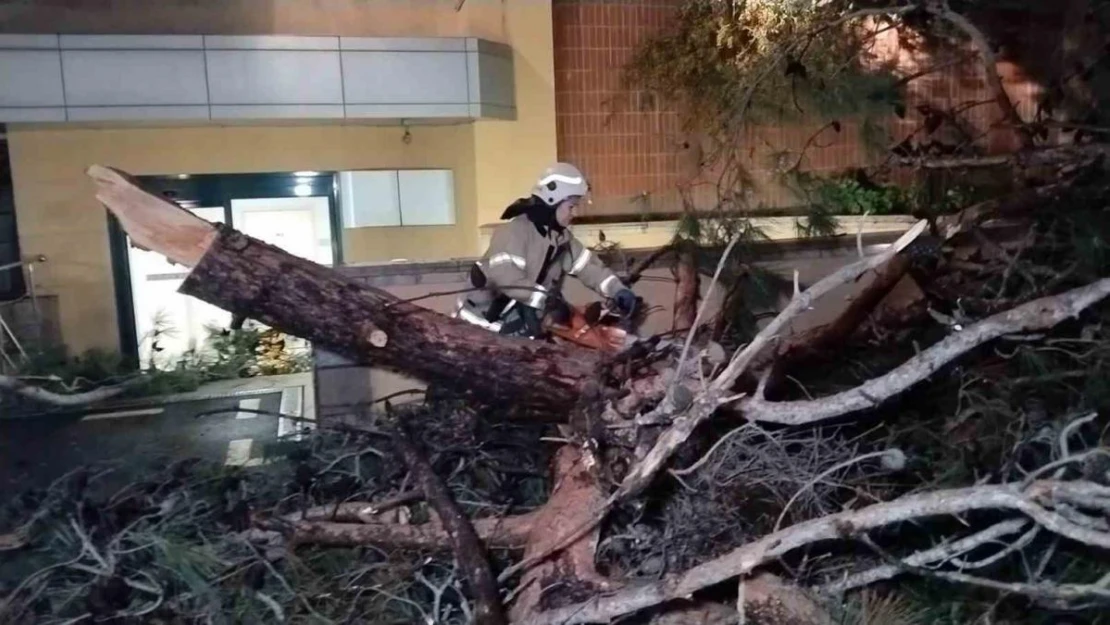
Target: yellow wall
[
  {"x": 60, "y": 218},
  {"x": 510, "y": 156}
]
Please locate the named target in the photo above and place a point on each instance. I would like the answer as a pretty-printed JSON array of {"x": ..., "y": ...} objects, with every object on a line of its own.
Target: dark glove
[
  {"x": 626, "y": 301},
  {"x": 532, "y": 323}
]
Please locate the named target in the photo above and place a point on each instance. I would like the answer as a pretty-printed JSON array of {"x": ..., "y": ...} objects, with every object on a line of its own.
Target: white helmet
[{"x": 559, "y": 182}]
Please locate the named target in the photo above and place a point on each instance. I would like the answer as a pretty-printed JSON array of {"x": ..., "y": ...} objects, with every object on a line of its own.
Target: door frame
[{"x": 197, "y": 190}]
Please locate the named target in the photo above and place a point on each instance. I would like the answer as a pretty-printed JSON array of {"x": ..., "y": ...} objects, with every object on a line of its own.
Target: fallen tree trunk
[{"x": 245, "y": 276}]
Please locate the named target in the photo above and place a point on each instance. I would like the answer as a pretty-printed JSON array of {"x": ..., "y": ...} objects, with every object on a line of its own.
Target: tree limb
[
  {"x": 842, "y": 525},
  {"x": 36, "y": 393},
  {"x": 711, "y": 398},
  {"x": 1061, "y": 592},
  {"x": 468, "y": 548},
  {"x": 943, "y": 551},
  {"x": 1038, "y": 314},
  {"x": 506, "y": 533}
]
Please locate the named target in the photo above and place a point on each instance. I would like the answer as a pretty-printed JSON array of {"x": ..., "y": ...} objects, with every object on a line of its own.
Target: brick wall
[
  {"x": 624, "y": 151},
  {"x": 639, "y": 158}
]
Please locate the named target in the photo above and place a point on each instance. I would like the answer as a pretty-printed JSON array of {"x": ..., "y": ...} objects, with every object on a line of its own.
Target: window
[{"x": 411, "y": 197}]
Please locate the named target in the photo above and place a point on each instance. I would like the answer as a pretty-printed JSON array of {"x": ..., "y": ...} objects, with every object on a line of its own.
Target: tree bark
[
  {"x": 686, "y": 301},
  {"x": 503, "y": 533},
  {"x": 246, "y": 276}
]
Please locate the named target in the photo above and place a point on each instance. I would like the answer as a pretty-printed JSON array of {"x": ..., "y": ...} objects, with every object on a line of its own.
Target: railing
[{"x": 7, "y": 335}]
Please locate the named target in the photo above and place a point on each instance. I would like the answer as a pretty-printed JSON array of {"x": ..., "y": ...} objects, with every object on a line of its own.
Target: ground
[{"x": 36, "y": 451}]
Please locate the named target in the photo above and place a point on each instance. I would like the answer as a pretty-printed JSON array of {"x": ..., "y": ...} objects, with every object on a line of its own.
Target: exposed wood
[
  {"x": 151, "y": 222},
  {"x": 574, "y": 495},
  {"x": 743, "y": 359},
  {"x": 829, "y": 335},
  {"x": 469, "y": 550},
  {"x": 355, "y": 511},
  {"x": 579, "y": 330},
  {"x": 246, "y": 276}
]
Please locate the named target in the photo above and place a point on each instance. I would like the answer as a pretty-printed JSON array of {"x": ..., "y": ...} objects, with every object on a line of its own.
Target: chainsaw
[{"x": 599, "y": 325}]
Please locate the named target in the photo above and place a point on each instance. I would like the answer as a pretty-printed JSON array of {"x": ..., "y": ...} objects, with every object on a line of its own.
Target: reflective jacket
[{"x": 526, "y": 261}]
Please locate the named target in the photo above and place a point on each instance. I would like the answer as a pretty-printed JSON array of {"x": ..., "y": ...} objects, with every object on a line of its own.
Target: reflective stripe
[
  {"x": 538, "y": 297},
  {"x": 581, "y": 261},
  {"x": 561, "y": 178},
  {"x": 471, "y": 317},
  {"x": 604, "y": 288},
  {"x": 505, "y": 257}
]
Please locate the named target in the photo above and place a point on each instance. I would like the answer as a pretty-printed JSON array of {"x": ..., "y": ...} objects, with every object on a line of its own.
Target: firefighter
[{"x": 518, "y": 281}]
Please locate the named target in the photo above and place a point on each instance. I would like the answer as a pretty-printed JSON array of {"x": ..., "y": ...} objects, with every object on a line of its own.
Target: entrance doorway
[{"x": 296, "y": 212}]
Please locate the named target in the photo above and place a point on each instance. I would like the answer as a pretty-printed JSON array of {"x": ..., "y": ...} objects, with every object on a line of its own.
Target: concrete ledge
[{"x": 454, "y": 271}]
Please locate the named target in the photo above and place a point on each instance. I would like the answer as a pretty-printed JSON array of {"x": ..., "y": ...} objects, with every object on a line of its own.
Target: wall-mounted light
[
  {"x": 302, "y": 190},
  {"x": 306, "y": 173}
]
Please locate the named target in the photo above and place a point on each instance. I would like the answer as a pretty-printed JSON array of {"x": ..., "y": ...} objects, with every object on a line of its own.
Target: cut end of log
[
  {"x": 378, "y": 338},
  {"x": 152, "y": 222}
]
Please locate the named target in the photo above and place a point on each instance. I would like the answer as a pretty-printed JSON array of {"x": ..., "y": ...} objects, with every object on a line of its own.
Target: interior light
[
  {"x": 306, "y": 173},
  {"x": 302, "y": 190},
  {"x": 182, "y": 176}
]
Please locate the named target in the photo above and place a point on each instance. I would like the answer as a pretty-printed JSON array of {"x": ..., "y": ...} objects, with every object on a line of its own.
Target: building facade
[{"x": 429, "y": 118}]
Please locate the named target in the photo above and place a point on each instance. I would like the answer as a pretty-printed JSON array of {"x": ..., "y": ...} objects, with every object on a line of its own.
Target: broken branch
[
  {"x": 1038, "y": 314},
  {"x": 468, "y": 548},
  {"x": 503, "y": 533},
  {"x": 15, "y": 385}
]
